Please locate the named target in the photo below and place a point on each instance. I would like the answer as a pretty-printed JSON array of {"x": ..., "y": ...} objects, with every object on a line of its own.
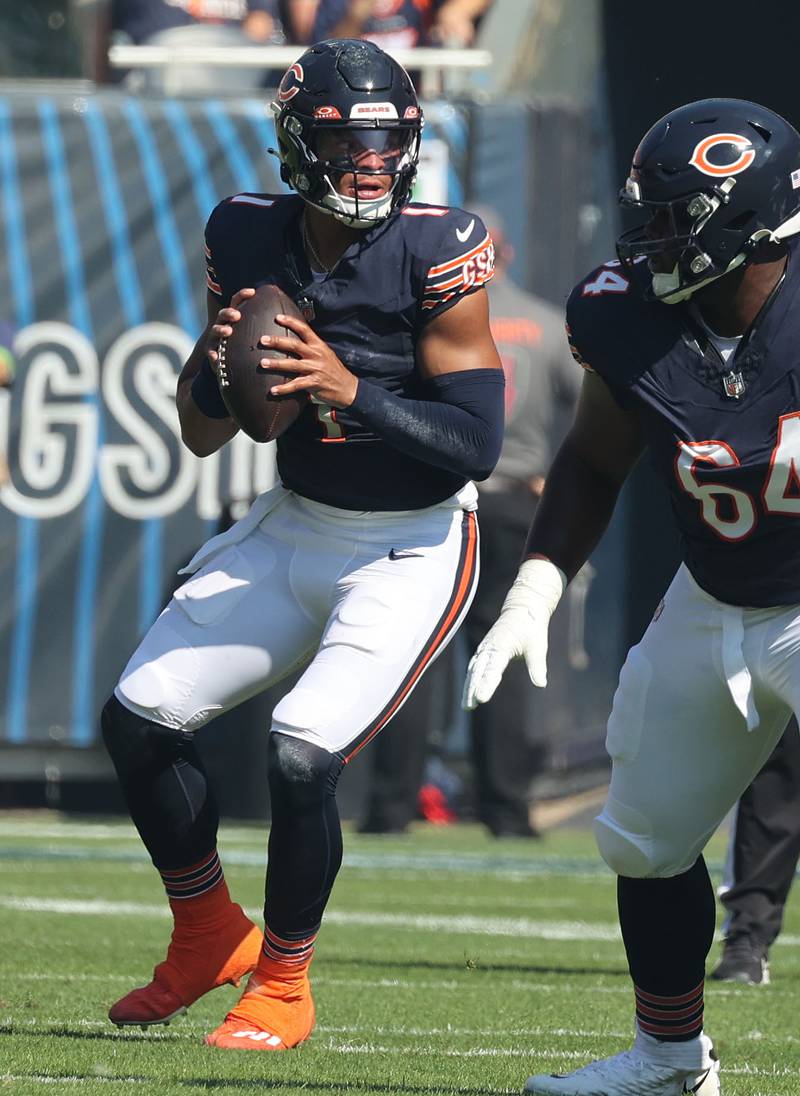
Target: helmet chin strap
[{"x": 667, "y": 288}]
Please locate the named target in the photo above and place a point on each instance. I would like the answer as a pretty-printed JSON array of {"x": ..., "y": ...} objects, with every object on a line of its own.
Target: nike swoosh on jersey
[{"x": 464, "y": 234}]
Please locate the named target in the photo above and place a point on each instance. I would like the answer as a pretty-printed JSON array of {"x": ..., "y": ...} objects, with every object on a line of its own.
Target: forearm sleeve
[{"x": 459, "y": 428}]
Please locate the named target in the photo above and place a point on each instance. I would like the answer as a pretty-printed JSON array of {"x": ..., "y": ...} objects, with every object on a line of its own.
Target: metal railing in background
[{"x": 439, "y": 69}]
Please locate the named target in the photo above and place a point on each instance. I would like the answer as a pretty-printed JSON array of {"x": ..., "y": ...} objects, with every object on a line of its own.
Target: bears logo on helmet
[
  {"x": 291, "y": 83},
  {"x": 744, "y": 154}
]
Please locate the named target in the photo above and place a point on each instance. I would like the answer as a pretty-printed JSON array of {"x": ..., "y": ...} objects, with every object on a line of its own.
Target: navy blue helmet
[
  {"x": 713, "y": 177},
  {"x": 338, "y": 104}
]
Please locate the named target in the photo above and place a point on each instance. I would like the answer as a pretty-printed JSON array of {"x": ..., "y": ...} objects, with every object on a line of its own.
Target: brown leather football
[{"x": 244, "y": 383}]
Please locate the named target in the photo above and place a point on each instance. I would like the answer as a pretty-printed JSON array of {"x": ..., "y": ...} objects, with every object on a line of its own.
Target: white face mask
[
  {"x": 367, "y": 212},
  {"x": 364, "y": 214},
  {"x": 668, "y": 289}
]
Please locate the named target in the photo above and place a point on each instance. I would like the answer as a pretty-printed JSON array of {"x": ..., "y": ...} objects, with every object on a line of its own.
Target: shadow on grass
[
  {"x": 349, "y": 1086},
  {"x": 228, "y": 1083},
  {"x": 63, "y": 1031},
  {"x": 272, "y": 1084},
  {"x": 475, "y": 966}
]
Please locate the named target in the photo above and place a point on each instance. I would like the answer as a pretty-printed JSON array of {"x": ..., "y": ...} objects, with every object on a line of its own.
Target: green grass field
[{"x": 448, "y": 963}]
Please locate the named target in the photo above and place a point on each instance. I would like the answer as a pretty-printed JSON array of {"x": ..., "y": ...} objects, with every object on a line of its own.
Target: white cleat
[{"x": 627, "y": 1074}]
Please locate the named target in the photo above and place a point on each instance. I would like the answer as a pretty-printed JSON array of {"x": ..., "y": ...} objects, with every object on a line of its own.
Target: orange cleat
[
  {"x": 197, "y": 961},
  {"x": 271, "y": 1015}
]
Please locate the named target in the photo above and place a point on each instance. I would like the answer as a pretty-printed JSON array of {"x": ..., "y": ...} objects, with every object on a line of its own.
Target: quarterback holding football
[{"x": 384, "y": 390}]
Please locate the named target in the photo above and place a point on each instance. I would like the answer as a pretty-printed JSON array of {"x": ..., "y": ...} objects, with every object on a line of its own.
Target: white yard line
[
  {"x": 99, "y": 1079},
  {"x": 320, "y": 980},
  {"x": 531, "y": 985},
  {"x": 465, "y": 925},
  {"x": 370, "y": 1049},
  {"x": 518, "y": 927},
  {"x": 186, "y": 1030},
  {"x": 39, "y": 828},
  {"x": 391, "y": 865},
  {"x": 534, "y": 1055}
]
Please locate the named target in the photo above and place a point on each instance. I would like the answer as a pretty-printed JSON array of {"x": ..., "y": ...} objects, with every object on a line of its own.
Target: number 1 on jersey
[{"x": 331, "y": 429}]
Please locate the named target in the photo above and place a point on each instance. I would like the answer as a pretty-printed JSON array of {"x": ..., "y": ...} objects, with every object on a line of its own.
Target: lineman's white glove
[{"x": 519, "y": 631}]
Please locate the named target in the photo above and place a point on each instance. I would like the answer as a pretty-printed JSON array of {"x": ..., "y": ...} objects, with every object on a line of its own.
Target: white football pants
[
  {"x": 700, "y": 705},
  {"x": 368, "y": 599}
]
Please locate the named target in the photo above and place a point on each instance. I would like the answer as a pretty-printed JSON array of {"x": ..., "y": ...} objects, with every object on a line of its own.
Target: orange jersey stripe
[{"x": 443, "y": 268}]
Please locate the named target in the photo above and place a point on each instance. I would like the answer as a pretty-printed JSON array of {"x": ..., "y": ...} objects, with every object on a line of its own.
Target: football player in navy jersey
[
  {"x": 360, "y": 565},
  {"x": 689, "y": 341}
]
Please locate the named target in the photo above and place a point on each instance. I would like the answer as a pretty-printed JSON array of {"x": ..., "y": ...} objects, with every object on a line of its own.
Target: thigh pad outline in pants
[
  {"x": 229, "y": 632},
  {"x": 392, "y": 618},
  {"x": 680, "y": 748}
]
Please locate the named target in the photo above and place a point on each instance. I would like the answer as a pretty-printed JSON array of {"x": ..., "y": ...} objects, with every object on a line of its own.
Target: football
[{"x": 245, "y": 383}]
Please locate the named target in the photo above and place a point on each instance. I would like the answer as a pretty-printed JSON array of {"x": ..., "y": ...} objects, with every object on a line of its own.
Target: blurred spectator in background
[
  {"x": 455, "y": 22},
  {"x": 542, "y": 385},
  {"x": 401, "y": 24},
  {"x": 7, "y": 371},
  {"x": 176, "y": 23},
  {"x": 763, "y": 850},
  {"x": 142, "y": 20},
  {"x": 298, "y": 20}
]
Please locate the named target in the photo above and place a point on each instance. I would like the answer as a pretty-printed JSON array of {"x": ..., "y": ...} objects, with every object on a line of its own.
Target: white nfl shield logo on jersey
[{"x": 733, "y": 385}]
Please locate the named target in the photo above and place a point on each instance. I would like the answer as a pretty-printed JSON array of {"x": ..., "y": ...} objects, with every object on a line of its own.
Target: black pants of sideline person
[
  {"x": 504, "y": 759},
  {"x": 765, "y": 846},
  {"x": 505, "y": 754}
]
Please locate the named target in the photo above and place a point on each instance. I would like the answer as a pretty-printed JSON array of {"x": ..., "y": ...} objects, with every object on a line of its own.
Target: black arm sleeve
[{"x": 459, "y": 428}]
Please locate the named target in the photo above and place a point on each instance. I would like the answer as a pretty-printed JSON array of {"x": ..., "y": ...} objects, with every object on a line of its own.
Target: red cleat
[
  {"x": 271, "y": 1015},
  {"x": 197, "y": 961},
  {"x": 433, "y": 806}
]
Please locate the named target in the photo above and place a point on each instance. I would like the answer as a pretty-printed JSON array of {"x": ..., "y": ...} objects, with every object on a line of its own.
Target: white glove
[{"x": 519, "y": 632}]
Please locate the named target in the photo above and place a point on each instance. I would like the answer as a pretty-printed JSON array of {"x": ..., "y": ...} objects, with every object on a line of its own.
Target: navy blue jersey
[
  {"x": 370, "y": 309},
  {"x": 723, "y": 436}
]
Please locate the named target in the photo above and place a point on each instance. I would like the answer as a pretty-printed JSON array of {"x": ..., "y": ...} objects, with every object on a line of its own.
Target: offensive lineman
[
  {"x": 689, "y": 342},
  {"x": 361, "y": 564}
]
